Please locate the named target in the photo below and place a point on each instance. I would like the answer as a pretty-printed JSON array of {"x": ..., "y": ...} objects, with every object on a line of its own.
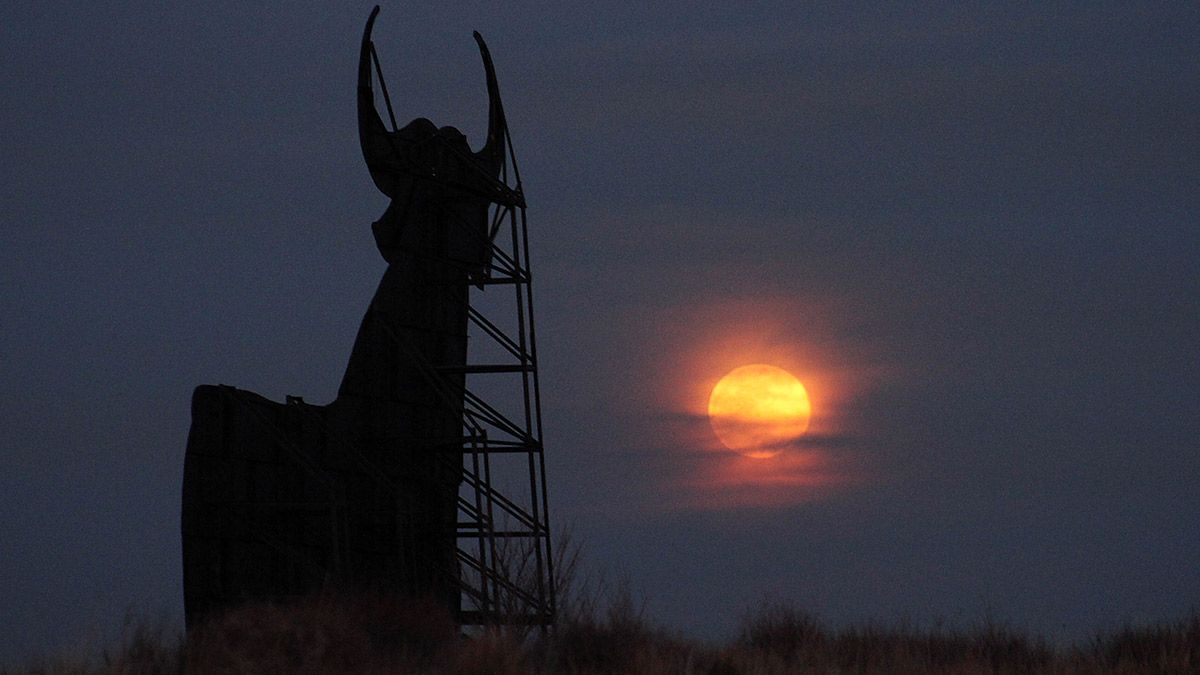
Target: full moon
[{"x": 756, "y": 410}]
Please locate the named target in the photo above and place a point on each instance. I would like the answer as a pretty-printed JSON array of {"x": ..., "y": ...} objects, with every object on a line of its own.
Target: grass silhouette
[
  {"x": 364, "y": 634},
  {"x": 601, "y": 629}
]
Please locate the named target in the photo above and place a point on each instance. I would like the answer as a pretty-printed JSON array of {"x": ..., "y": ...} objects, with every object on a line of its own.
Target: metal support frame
[{"x": 504, "y": 540}]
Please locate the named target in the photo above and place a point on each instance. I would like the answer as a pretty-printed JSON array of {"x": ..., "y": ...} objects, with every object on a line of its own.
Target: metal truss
[{"x": 503, "y": 538}]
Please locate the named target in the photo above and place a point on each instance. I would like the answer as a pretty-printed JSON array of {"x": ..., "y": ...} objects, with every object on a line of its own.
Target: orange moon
[{"x": 757, "y": 409}]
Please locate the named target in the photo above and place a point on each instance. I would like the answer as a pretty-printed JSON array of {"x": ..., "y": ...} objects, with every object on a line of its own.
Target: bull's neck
[{"x": 414, "y": 332}]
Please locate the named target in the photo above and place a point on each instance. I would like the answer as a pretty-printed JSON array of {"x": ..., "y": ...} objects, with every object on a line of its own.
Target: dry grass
[
  {"x": 601, "y": 629},
  {"x": 368, "y": 635}
]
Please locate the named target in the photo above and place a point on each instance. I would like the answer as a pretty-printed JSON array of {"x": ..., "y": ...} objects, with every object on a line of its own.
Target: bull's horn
[
  {"x": 372, "y": 135},
  {"x": 492, "y": 153}
]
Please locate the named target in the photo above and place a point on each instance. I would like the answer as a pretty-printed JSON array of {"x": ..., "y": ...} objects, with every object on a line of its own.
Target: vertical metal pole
[
  {"x": 481, "y": 538},
  {"x": 523, "y": 340},
  {"x": 537, "y": 417}
]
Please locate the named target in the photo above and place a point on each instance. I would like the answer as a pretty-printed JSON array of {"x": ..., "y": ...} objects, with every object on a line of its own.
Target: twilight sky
[{"x": 973, "y": 231}]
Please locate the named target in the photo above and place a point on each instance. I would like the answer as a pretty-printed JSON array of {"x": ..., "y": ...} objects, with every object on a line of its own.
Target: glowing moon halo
[{"x": 755, "y": 410}]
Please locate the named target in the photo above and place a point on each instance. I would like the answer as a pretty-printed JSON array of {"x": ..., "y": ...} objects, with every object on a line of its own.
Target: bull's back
[{"x": 257, "y": 516}]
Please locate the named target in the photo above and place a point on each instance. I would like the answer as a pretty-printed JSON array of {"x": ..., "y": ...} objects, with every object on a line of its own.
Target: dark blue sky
[{"x": 973, "y": 230}]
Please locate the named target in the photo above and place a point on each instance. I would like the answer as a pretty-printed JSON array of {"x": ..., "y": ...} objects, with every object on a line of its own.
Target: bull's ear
[
  {"x": 377, "y": 148},
  {"x": 492, "y": 153}
]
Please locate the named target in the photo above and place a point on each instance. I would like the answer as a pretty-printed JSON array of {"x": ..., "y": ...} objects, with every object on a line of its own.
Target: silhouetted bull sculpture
[{"x": 280, "y": 500}]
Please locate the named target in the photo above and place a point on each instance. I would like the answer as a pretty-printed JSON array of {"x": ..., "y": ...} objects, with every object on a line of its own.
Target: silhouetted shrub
[{"x": 784, "y": 631}]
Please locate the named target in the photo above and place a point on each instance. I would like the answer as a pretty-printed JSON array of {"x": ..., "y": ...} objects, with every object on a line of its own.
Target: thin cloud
[
  {"x": 698, "y": 426},
  {"x": 698, "y": 473}
]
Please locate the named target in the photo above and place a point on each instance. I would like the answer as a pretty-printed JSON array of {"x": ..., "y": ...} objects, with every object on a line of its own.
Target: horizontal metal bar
[
  {"x": 489, "y": 449},
  {"x": 487, "y": 281},
  {"x": 531, "y": 445},
  {"x": 511, "y": 534},
  {"x": 486, "y": 368},
  {"x": 470, "y": 617}
]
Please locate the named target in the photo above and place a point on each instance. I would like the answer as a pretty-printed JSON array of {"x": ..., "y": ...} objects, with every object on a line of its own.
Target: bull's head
[
  {"x": 420, "y": 148},
  {"x": 431, "y": 172}
]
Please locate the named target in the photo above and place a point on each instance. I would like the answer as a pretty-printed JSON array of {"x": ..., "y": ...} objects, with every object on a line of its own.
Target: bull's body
[{"x": 282, "y": 499}]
